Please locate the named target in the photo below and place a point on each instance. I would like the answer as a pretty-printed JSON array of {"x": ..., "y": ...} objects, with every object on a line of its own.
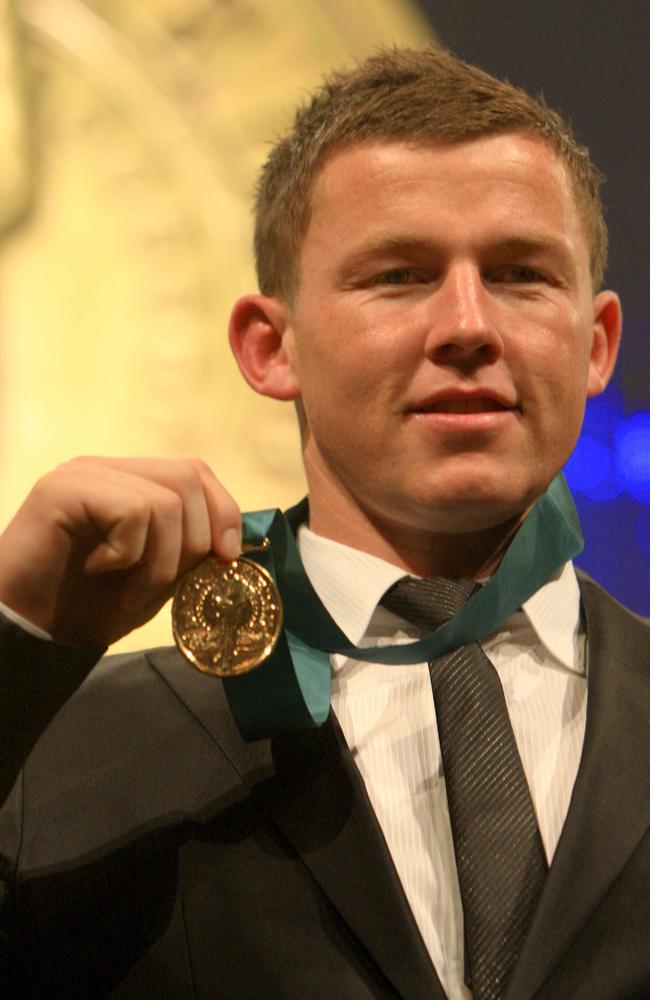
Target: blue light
[
  {"x": 633, "y": 455},
  {"x": 604, "y": 413},
  {"x": 642, "y": 531},
  {"x": 592, "y": 470}
]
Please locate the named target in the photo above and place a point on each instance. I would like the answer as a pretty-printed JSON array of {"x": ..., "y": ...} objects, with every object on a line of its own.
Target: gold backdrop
[{"x": 130, "y": 134}]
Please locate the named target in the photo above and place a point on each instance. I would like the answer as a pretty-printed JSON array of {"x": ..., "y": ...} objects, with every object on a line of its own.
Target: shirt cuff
[{"x": 24, "y": 624}]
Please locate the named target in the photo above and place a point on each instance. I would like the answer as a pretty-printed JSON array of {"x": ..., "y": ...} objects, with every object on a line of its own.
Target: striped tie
[{"x": 499, "y": 852}]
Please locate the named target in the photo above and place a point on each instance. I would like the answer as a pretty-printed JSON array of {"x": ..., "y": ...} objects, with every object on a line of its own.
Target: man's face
[{"x": 443, "y": 334}]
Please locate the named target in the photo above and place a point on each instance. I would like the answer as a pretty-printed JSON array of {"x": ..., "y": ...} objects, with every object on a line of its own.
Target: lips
[
  {"x": 453, "y": 400},
  {"x": 476, "y": 404}
]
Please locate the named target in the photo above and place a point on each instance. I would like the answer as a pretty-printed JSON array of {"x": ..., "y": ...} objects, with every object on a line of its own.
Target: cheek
[
  {"x": 361, "y": 358},
  {"x": 552, "y": 361}
]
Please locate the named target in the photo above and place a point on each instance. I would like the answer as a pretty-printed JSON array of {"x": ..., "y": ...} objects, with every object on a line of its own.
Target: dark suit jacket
[{"x": 147, "y": 852}]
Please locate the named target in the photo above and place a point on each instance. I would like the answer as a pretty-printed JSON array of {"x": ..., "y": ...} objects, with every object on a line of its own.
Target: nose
[{"x": 462, "y": 330}]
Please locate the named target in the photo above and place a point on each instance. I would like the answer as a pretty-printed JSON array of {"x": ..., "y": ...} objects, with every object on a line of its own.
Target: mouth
[{"x": 476, "y": 404}]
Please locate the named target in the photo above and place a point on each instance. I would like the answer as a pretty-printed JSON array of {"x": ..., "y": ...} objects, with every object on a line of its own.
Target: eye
[
  {"x": 398, "y": 276},
  {"x": 518, "y": 274}
]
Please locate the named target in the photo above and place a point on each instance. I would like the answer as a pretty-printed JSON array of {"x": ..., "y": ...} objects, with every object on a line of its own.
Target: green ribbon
[{"x": 291, "y": 690}]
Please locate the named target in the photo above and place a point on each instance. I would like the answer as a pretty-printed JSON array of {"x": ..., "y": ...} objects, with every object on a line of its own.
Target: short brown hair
[{"x": 413, "y": 95}]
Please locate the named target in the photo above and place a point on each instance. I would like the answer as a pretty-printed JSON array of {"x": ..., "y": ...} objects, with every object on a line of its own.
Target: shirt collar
[
  {"x": 350, "y": 583},
  {"x": 554, "y": 613}
]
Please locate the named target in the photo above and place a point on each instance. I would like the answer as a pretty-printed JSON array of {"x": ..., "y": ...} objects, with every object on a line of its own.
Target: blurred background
[{"x": 131, "y": 134}]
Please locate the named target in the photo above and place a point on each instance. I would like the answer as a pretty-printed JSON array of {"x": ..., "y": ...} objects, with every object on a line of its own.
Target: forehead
[{"x": 456, "y": 190}]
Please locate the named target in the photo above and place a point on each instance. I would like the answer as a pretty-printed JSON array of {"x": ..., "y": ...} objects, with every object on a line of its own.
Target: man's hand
[{"x": 98, "y": 545}]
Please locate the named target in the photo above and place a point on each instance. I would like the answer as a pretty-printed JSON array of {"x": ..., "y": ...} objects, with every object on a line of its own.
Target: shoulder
[
  {"x": 596, "y": 598},
  {"x": 128, "y": 751},
  {"x": 142, "y": 705},
  {"x": 615, "y": 635}
]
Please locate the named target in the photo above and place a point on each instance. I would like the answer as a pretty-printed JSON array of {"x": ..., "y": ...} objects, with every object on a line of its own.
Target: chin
[{"x": 471, "y": 509}]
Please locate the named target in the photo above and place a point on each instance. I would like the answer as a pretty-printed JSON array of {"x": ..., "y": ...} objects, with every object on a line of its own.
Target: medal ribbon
[{"x": 291, "y": 690}]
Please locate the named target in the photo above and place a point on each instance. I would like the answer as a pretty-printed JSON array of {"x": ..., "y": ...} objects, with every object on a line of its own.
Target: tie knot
[{"x": 428, "y": 603}]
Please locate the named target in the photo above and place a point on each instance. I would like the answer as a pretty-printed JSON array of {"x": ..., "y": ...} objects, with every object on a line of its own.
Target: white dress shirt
[{"x": 387, "y": 716}]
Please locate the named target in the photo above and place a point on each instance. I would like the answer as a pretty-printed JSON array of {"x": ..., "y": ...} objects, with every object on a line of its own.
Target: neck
[{"x": 423, "y": 551}]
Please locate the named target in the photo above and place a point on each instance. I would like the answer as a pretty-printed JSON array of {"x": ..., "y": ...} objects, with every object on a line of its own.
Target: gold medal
[{"x": 226, "y": 616}]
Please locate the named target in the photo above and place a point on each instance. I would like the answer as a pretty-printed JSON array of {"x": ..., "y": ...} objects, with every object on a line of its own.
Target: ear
[
  {"x": 608, "y": 320},
  {"x": 261, "y": 338}
]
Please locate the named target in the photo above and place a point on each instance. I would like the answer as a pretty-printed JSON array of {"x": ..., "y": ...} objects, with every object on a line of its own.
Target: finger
[
  {"x": 87, "y": 516},
  {"x": 113, "y": 514},
  {"x": 211, "y": 518},
  {"x": 161, "y": 560},
  {"x": 125, "y": 542},
  {"x": 183, "y": 479},
  {"x": 224, "y": 515},
  {"x": 161, "y": 564},
  {"x": 142, "y": 522}
]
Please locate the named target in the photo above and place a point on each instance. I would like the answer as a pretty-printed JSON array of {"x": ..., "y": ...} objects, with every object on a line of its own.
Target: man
[{"x": 430, "y": 250}]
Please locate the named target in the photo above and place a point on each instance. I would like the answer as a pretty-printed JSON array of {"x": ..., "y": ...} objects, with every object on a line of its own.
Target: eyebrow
[
  {"x": 519, "y": 245},
  {"x": 532, "y": 243},
  {"x": 384, "y": 246}
]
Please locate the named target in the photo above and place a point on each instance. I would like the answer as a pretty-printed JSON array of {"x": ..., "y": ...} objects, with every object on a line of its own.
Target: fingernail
[{"x": 231, "y": 543}]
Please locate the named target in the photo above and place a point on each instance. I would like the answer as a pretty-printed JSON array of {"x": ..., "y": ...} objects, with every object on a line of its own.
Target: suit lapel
[
  {"x": 609, "y": 808},
  {"x": 309, "y": 785},
  {"x": 321, "y": 805}
]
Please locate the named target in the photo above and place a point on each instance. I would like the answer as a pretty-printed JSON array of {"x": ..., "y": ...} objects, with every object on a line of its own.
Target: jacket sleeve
[{"x": 36, "y": 679}]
